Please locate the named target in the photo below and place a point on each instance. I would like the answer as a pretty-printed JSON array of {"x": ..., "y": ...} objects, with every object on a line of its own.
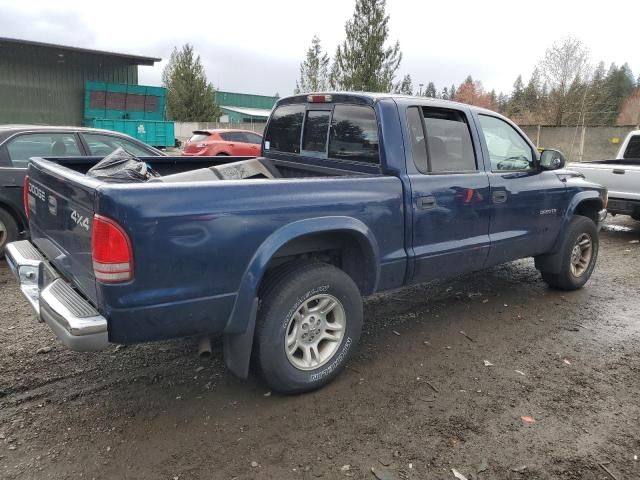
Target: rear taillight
[
  {"x": 110, "y": 251},
  {"x": 25, "y": 195}
]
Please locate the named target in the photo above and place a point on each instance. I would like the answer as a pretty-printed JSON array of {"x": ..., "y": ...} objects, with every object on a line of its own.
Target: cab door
[
  {"x": 451, "y": 203},
  {"x": 527, "y": 202}
]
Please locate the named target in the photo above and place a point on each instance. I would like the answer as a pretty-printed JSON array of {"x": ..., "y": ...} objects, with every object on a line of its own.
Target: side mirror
[{"x": 551, "y": 159}]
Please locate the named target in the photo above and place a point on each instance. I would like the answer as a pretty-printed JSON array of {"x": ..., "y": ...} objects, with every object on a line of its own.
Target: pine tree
[
  {"x": 619, "y": 85},
  {"x": 430, "y": 91},
  {"x": 531, "y": 93},
  {"x": 314, "y": 71},
  {"x": 503, "y": 102},
  {"x": 516, "y": 104},
  {"x": 600, "y": 103},
  {"x": 363, "y": 61},
  {"x": 445, "y": 93},
  {"x": 493, "y": 97},
  {"x": 190, "y": 97},
  {"x": 452, "y": 92},
  {"x": 406, "y": 86}
]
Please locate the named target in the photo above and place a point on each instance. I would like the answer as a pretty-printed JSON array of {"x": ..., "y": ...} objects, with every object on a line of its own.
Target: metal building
[
  {"x": 244, "y": 107},
  {"x": 44, "y": 83}
]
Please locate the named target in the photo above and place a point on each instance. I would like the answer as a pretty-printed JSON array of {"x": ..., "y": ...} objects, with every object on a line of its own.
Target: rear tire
[
  {"x": 309, "y": 323},
  {"x": 8, "y": 229},
  {"x": 579, "y": 253}
]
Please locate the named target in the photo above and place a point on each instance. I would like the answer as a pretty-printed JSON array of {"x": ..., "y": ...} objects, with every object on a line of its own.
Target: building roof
[
  {"x": 250, "y": 112},
  {"x": 244, "y": 100},
  {"x": 132, "y": 59}
]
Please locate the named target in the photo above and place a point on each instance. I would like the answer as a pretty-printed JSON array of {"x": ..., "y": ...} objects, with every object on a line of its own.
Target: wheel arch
[
  {"x": 587, "y": 204},
  {"x": 290, "y": 241}
]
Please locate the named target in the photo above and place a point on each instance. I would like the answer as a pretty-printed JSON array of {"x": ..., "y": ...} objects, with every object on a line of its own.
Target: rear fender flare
[
  {"x": 248, "y": 289},
  {"x": 239, "y": 331}
]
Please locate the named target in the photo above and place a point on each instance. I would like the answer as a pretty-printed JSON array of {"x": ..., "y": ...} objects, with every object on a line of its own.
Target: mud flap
[{"x": 237, "y": 347}]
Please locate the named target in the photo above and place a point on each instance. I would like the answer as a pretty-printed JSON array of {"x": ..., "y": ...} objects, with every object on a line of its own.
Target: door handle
[
  {"x": 425, "y": 203},
  {"x": 500, "y": 196},
  {"x": 618, "y": 171}
]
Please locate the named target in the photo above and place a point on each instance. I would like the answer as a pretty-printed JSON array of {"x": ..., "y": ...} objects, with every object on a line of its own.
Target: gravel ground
[{"x": 418, "y": 400}]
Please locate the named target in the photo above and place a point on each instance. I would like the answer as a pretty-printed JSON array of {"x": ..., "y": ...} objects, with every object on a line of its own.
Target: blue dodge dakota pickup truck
[{"x": 354, "y": 194}]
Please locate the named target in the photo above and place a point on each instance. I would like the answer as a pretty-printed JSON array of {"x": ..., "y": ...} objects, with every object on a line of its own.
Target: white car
[{"x": 621, "y": 176}]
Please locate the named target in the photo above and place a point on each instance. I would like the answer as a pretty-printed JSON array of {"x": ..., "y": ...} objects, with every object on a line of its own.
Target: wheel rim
[
  {"x": 314, "y": 332},
  {"x": 3, "y": 233},
  {"x": 581, "y": 254}
]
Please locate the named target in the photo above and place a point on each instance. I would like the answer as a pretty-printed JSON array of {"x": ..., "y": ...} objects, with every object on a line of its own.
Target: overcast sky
[{"x": 256, "y": 46}]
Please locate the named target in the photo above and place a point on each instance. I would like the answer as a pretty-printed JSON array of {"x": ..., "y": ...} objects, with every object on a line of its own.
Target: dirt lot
[{"x": 417, "y": 400}]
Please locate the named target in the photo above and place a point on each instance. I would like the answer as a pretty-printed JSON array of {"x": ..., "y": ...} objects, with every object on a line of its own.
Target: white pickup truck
[{"x": 621, "y": 176}]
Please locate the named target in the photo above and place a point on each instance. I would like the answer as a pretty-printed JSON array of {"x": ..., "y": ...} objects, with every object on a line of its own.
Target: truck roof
[{"x": 372, "y": 97}]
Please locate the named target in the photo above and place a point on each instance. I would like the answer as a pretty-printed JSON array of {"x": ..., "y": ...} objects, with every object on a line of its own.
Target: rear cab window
[{"x": 341, "y": 132}]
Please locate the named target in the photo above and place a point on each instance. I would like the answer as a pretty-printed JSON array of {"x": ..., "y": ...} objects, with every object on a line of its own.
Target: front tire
[
  {"x": 578, "y": 255},
  {"x": 309, "y": 322}
]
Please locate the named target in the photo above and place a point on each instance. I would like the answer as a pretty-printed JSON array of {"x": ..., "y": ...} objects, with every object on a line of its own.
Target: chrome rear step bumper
[{"x": 71, "y": 317}]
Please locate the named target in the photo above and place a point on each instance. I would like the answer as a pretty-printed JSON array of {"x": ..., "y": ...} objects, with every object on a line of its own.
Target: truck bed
[
  {"x": 167, "y": 166},
  {"x": 195, "y": 242},
  {"x": 622, "y": 179}
]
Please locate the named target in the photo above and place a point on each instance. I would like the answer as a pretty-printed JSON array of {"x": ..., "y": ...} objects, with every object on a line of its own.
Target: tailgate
[{"x": 61, "y": 203}]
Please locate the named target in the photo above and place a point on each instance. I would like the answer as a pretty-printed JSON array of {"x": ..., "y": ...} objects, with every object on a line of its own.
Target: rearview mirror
[{"x": 551, "y": 159}]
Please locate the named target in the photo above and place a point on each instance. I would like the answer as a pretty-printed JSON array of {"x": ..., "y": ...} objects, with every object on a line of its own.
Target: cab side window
[
  {"x": 25, "y": 146},
  {"x": 441, "y": 140},
  {"x": 103, "y": 145},
  {"x": 508, "y": 151}
]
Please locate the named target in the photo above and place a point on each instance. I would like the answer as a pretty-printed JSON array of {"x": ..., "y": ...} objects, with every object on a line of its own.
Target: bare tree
[{"x": 564, "y": 64}]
